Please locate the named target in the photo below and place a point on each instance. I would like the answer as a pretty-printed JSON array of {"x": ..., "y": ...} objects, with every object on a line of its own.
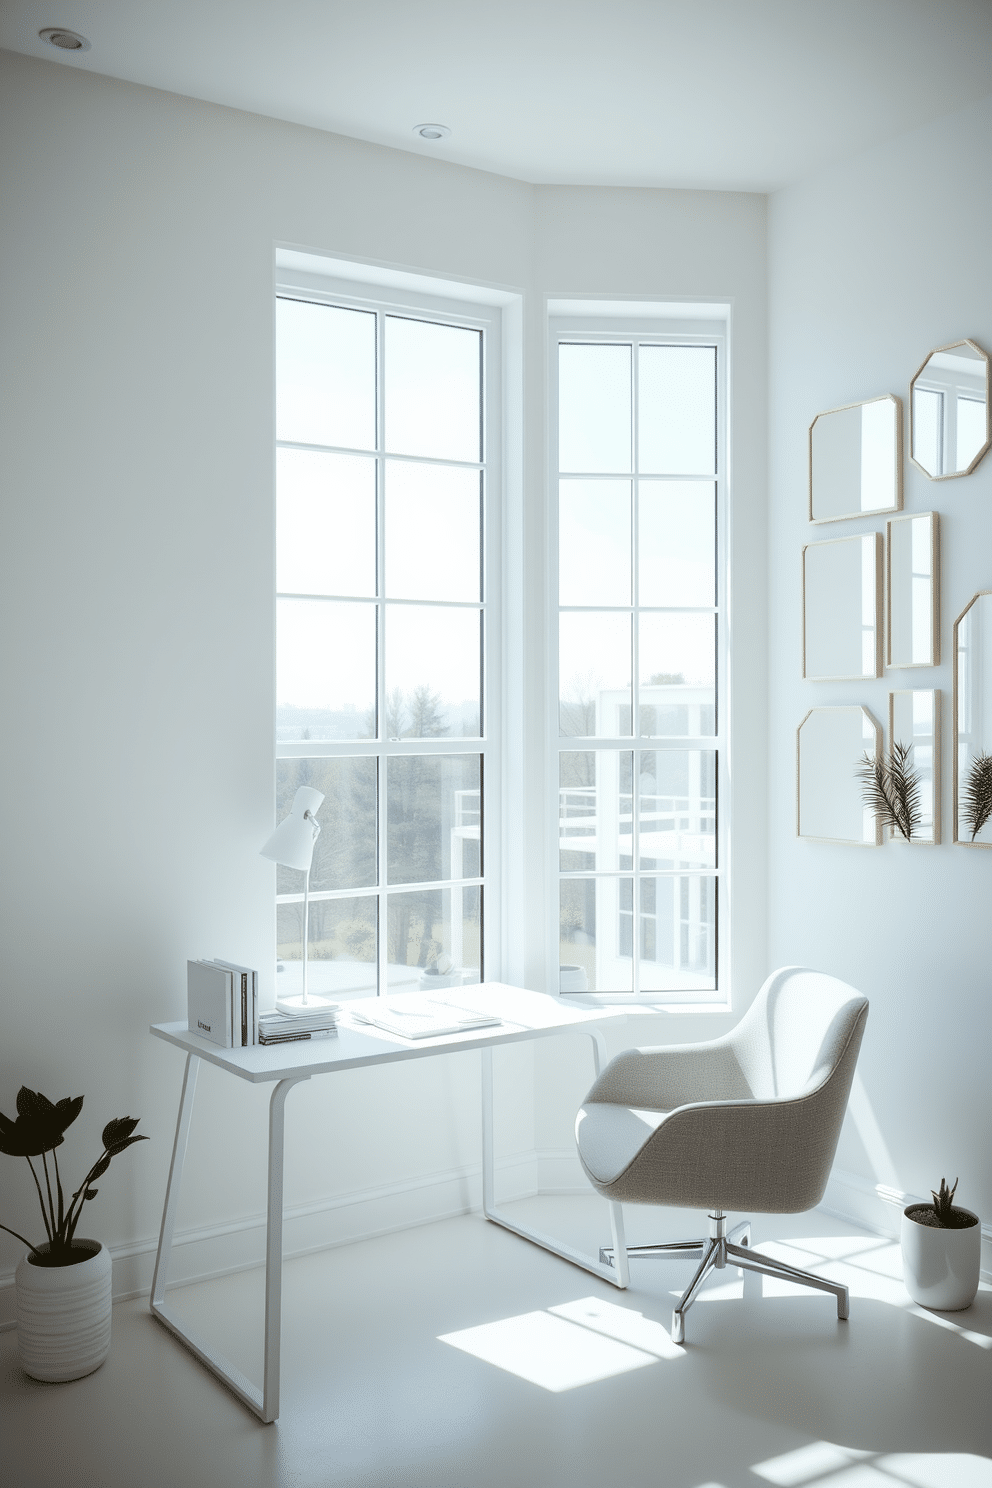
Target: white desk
[{"x": 526, "y": 1015}]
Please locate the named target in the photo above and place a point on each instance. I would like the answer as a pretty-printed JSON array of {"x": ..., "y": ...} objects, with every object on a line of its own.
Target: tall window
[
  {"x": 382, "y": 645},
  {"x": 639, "y": 603}
]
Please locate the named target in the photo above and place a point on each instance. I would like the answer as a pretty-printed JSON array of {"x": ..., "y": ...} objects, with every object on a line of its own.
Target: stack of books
[
  {"x": 309, "y": 1023},
  {"x": 222, "y": 1003}
]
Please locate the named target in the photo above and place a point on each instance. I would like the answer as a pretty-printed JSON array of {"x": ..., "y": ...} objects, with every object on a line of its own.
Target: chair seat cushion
[{"x": 609, "y": 1137}]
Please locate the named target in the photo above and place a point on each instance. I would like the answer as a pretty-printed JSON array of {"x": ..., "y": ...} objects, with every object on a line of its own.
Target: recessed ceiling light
[
  {"x": 66, "y": 41},
  {"x": 432, "y": 131}
]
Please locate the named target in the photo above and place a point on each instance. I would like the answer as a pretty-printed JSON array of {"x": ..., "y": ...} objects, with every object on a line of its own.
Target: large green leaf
[
  {"x": 115, "y": 1131},
  {"x": 40, "y": 1124}
]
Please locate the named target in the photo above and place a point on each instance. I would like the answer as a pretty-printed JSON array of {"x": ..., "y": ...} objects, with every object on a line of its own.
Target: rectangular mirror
[
  {"x": 914, "y": 720},
  {"x": 831, "y": 744},
  {"x": 972, "y": 778},
  {"x": 855, "y": 460},
  {"x": 913, "y": 590},
  {"x": 842, "y": 590}
]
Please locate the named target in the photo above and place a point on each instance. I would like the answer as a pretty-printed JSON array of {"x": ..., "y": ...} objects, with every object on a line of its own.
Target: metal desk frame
[{"x": 287, "y": 1065}]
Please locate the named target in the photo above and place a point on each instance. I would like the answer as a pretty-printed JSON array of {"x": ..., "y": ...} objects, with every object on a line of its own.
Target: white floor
[{"x": 457, "y": 1354}]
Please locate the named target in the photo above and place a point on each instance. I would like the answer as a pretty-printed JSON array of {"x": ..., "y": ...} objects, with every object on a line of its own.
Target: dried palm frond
[
  {"x": 976, "y": 803},
  {"x": 891, "y": 788}
]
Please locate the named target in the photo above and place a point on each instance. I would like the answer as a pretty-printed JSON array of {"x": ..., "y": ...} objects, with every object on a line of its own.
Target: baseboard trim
[
  {"x": 878, "y": 1207},
  {"x": 204, "y": 1252}
]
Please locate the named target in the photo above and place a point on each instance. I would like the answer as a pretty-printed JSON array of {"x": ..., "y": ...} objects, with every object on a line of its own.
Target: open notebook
[{"x": 414, "y": 1017}]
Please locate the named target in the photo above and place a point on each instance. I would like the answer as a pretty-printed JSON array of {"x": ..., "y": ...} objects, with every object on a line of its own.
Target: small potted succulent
[
  {"x": 63, "y": 1284},
  {"x": 941, "y": 1252}
]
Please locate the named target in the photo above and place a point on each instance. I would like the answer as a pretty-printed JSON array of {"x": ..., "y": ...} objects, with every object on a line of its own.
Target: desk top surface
[{"x": 525, "y": 1015}]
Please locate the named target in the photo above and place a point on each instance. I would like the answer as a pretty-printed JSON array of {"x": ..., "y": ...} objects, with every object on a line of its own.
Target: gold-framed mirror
[
  {"x": 972, "y": 766},
  {"x": 912, "y": 590},
  {"x": 950, "y": 420},
  {"x": 842, "y": 608},
  {"x": 914, "y": 722},
  {"x": 855, "y": 460},
  {"x": 831, "y": 744}
]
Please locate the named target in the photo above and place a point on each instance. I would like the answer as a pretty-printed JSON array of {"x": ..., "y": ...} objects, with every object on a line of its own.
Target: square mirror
[
  {"x": 855, "y": 460},
  {"x": 831, "y": 744},
  {"x": 842, "y": 590},
  {"x": 914, "y": 722},
  {"x": 913, "y": 591},
  {"x": 972, "y": 770}
]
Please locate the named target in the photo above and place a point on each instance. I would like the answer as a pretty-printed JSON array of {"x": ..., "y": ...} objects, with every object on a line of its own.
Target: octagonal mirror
[{"x": 949, "y": 410}]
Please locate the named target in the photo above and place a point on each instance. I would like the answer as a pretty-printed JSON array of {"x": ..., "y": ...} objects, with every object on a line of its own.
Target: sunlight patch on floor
[
  {"x": 824, "y": 1464},
  {"x": 576, "y": 1343}
]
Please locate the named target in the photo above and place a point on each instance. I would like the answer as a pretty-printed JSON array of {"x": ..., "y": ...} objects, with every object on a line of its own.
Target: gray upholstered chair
[{"x": 746, "y": 1122}]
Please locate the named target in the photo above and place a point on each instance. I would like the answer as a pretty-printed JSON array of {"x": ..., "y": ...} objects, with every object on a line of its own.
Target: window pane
[
  {"x": 325, "y": 669},
  {"x": 971, "y": 430},
  {"x": 677, "y": 938},
  {"x": 433, "y": 817},
  {"x": 325, "y": 523},
  {"x": 594, "y": 542},
  {"x": 343, "y": 949},
  {"x": 325, "y": 375},
  {"x": 344, "y": 856},
  {"x": 433, "y": 528},
  {"x": 433, "y": 672},
  {"x": 678, "y": 670},
  {"x": 437, "y": 934},
  {"x": 677, "y": 408},
  {"x": 677, "y": 538},
  {"x": 433, "y": 390},
  {"x": 594, "y": 408},
  {"x": 595, "y": 933},
  {"x": 594, "y": 674},
  {"x": 595, "y": 809},
  {"x": 677, "y": 814}
]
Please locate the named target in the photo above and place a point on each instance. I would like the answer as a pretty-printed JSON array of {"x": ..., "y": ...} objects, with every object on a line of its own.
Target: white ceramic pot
[
  {"x": 572, "y": 979},
  {"x": 63, "y": 1314},
  {"x": 941, "y": 1267}
]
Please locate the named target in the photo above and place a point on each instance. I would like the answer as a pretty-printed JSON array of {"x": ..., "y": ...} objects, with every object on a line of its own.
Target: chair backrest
[{"x": 797, "y": 1033}]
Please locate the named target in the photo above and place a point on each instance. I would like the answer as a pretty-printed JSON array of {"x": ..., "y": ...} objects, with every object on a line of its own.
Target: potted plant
[
  {"x": 63, "y": 1284},
  {"x": 941, "y": 1252}
]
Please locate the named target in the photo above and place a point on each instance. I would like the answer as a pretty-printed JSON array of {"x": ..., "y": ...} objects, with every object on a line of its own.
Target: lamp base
[{"x": 295, "y": 1005}]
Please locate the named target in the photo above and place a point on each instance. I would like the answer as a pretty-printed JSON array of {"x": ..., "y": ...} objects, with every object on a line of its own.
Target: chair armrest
[{"x": 672, "y": 1075}]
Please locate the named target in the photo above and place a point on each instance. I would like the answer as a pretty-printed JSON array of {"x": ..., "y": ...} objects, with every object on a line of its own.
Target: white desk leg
[
  {"x": 264, "y": 1402},
  {"x": 619, "y": 1275},
  {"x": 273, "y": 1248},
  {"x": 163, "y": 1255}
]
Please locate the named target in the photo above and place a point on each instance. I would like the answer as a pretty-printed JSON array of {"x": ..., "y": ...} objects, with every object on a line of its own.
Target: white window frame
[
  {"x": 388, "y": 293},
  {"x": 604, "y": 321}
]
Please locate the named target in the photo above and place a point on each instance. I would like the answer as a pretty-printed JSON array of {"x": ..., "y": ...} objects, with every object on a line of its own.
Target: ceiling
[{"x": 717, "y": 94}]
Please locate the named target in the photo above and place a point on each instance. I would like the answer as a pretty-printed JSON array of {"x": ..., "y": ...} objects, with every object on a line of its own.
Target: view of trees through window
[
  {"x": 381, "y": 614},
  {"x": 638, "y": 599}
]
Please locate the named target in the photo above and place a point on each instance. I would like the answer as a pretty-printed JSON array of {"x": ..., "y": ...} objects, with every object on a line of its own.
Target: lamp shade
[{"x": 292, "y": 842}]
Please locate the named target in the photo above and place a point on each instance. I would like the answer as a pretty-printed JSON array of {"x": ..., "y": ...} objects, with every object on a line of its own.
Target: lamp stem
[{"x": 306, "y": 930}]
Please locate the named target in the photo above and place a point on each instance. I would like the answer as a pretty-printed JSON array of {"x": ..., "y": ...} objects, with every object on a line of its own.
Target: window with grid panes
[
  {"x": 381, "y": 642},
  {"x": 639, "y": 598}
]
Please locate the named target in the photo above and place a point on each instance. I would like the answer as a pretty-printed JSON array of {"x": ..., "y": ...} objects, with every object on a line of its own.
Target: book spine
[
  {"x": 254, "y": 1007},
  {"x": 243, "y": 1009}
]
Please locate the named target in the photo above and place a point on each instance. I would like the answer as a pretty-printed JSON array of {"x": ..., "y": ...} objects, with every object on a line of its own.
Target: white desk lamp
[{"x": 292, "y": 844}]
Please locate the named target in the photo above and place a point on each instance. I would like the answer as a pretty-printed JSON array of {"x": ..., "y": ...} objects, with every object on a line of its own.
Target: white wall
[
  {"x": 873, "y": 264},
  {"x": 137, "y": 239}
]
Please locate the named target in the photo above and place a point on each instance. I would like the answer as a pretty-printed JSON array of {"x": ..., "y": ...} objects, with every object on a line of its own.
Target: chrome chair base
[{"x": 719, "y": 1250}]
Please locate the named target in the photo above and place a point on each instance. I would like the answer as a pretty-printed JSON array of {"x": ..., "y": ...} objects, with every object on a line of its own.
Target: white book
[
  {"x": 208, "y": 1001},
  {"x": 244, "y": 1022}
]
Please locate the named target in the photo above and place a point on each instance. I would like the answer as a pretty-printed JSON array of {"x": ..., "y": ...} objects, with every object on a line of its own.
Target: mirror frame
[
  {"x": 933, "y": 841},
  {"x": 841, "y": 841},
  {"x": 952, "y": 474},
  {"x": 901, "y": 666},
  {"x": 873, "y": 511},
  {"x": 879, "y": 583},
  {"x": 955, "y": 838}
]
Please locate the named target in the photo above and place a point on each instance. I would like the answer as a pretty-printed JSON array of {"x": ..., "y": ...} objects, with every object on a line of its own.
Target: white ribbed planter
[
  {"x": 63, "y": 1315},
  {"x": 941, "y": 1267}
]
